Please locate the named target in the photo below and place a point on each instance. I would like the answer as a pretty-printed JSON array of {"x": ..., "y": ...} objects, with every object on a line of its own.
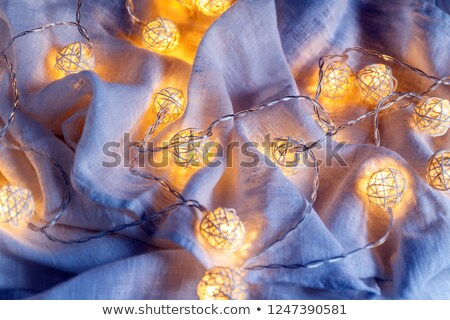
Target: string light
[
  {"x": 187, "y": 147},
  {"x": 386, "y": 187},
  {"x": 172, "y": 100},
  {"x": 16, "y": 204},
  {"x": 161, "y": 35},
  {"x": 432, "y": 116},
  {"x": 223, "y": 230},
  {"x": 73, "y": 58},
  {"x": 338, "y": 80},
  {"x": 222, "y": 283},
  {"x": 438, "y": 172},
  {"x": 375, "y": 82},
  {"x": 213, "y": 7},
  {"x": 283, "y": 154}
]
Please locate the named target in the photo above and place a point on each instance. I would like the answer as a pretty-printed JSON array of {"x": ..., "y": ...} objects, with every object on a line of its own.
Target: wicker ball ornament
[
  {"x": 375, "y": 82},
  {"x": 161, "y": 35},
  {"x": 16, "y": 205},
  {"x": 438, "y": 172},
  {"x": 213, "y": 7},
  {"x": 187, "y": 147},
  {"x": 223, "y": 230},
  {"x": 74, "y": 58},
  {"x": 432, "y": 116},
  {"x": 222, "y": 283},
  {"x": 338, "y": 80},
  {"x": 386, "y": 187},
  {"x": 172, "y": 100},
  {"x": 285, "y": 157}
]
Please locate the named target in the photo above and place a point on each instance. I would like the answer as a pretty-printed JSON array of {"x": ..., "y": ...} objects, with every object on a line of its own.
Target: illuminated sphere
[
  {"x": 432, "y": 116},
  {"x": 223, "y": 230},
  {"x": 16, "y": 204},
  {"x": 171, "y": 99},
  {"x": 222, "y": 283},
  {"x": 438, "y": 173},
  {"x": 213, "y": 7},
  {"x": 337, "y": 80},
  {"x": 187, "y": 147},
  {"x": 288, "y": 160},
  {"x": 73, "y": 58},
  {"x": 375, "y": 82},
  {"x": 161, "y": 35},
  {"x": 386, "y": 187}
]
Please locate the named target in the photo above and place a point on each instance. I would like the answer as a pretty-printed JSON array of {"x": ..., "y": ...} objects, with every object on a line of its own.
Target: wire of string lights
[{"x": 385, "y": 188}]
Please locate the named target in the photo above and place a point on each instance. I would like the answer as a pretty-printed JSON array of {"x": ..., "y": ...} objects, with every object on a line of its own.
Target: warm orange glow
[
  {"x": 161, "y": 35},
  {"x": 213, "y": 7},
  {"x": 73, "y": 58},
  {"x": 385, "y": 188},
  {"x": 375, "y": 82},
  {"x": 438, "y": 173},
  {"x": 432, "y": 116},
  {"x": 222, "y": 283},
  {"x": 16, "y": 205},
  {"x": 223, "y": 230},
  {"x": 187, "y": 147},
  {"x": 172, "y": 100},
  {"x": 285, "y": 157},
  {"x": 338, "y": 80}
]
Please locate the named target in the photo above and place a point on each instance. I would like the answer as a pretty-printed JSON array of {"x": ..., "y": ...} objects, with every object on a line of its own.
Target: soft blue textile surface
[{"x": 257, "y": 50}]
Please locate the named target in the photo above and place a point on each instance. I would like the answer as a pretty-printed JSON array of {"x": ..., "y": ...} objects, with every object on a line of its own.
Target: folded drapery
[{"x": 257, "y": 50}]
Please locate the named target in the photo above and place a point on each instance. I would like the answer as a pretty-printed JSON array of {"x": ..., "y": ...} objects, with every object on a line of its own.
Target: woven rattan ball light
[
  {"x": 375, "y": 82},
  {"x": 172, "y": 100},
  {"x": 290, "y": 161},
  {"x": 438, "y": 173},
  {"x": 187, "y": 147},
  {"x": 73, "y": 58},
  {"x": 386, "y": 187},
  {"x": 161, "y": 35},
  {"x": 223, "y": 230},
  {"x": 432, "y": 116},
  {"x": 222, "y": 283},
  {"x": 338, "y": 80},
  {"x": 16, "y": 204},
  {"x": 213, "y": 7}
]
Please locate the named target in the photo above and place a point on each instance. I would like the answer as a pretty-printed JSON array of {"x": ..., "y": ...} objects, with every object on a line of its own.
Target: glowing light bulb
[
  {"x": 438, "y": 172},
  {"x": 223, "y": 230},
  {"x": 161, "y": 35},
  {"x": 222, "y": 283},
  {"x": 74, "y": 58},
  {"x": 375, "y": 82},
  {"x": 172, "y": 100},
  {"x": 285, "y": 157},
  {"x": 432, "y": 116},
  {"x": 213, "y": 7},
  {"x": 16, "y": 205},
  {"x": 386, "y": 187},
  {"x": 187, "y": 147},
  {"x": 338, "y": 80}
]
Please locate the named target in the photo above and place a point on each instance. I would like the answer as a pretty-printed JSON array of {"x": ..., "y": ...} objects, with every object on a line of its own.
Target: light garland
[
  {"x": 16, "y": 205},
  {"x": 187, "y": 147},
  {"x": 432, "y": 116},
  {"x": 161, "y": 35},
  {"x": 385, "y": 188},
  {"x": 375, "y": 82},
  {"x": 73, "y": 58},
  {"x": 213, "y": 7},
  {"x": 222, "y": 283},
  {"x": 286, "y": 157},
  {"x": 222, "y": 230},
  {"x": 438, "y": 171},
  {"x": 338, "y": 80},
  {"x": 171, "y": 100}
]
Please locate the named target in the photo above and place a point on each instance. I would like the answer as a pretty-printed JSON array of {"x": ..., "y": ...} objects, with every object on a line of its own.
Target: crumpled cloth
[{"x": 258, "y": 50}]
